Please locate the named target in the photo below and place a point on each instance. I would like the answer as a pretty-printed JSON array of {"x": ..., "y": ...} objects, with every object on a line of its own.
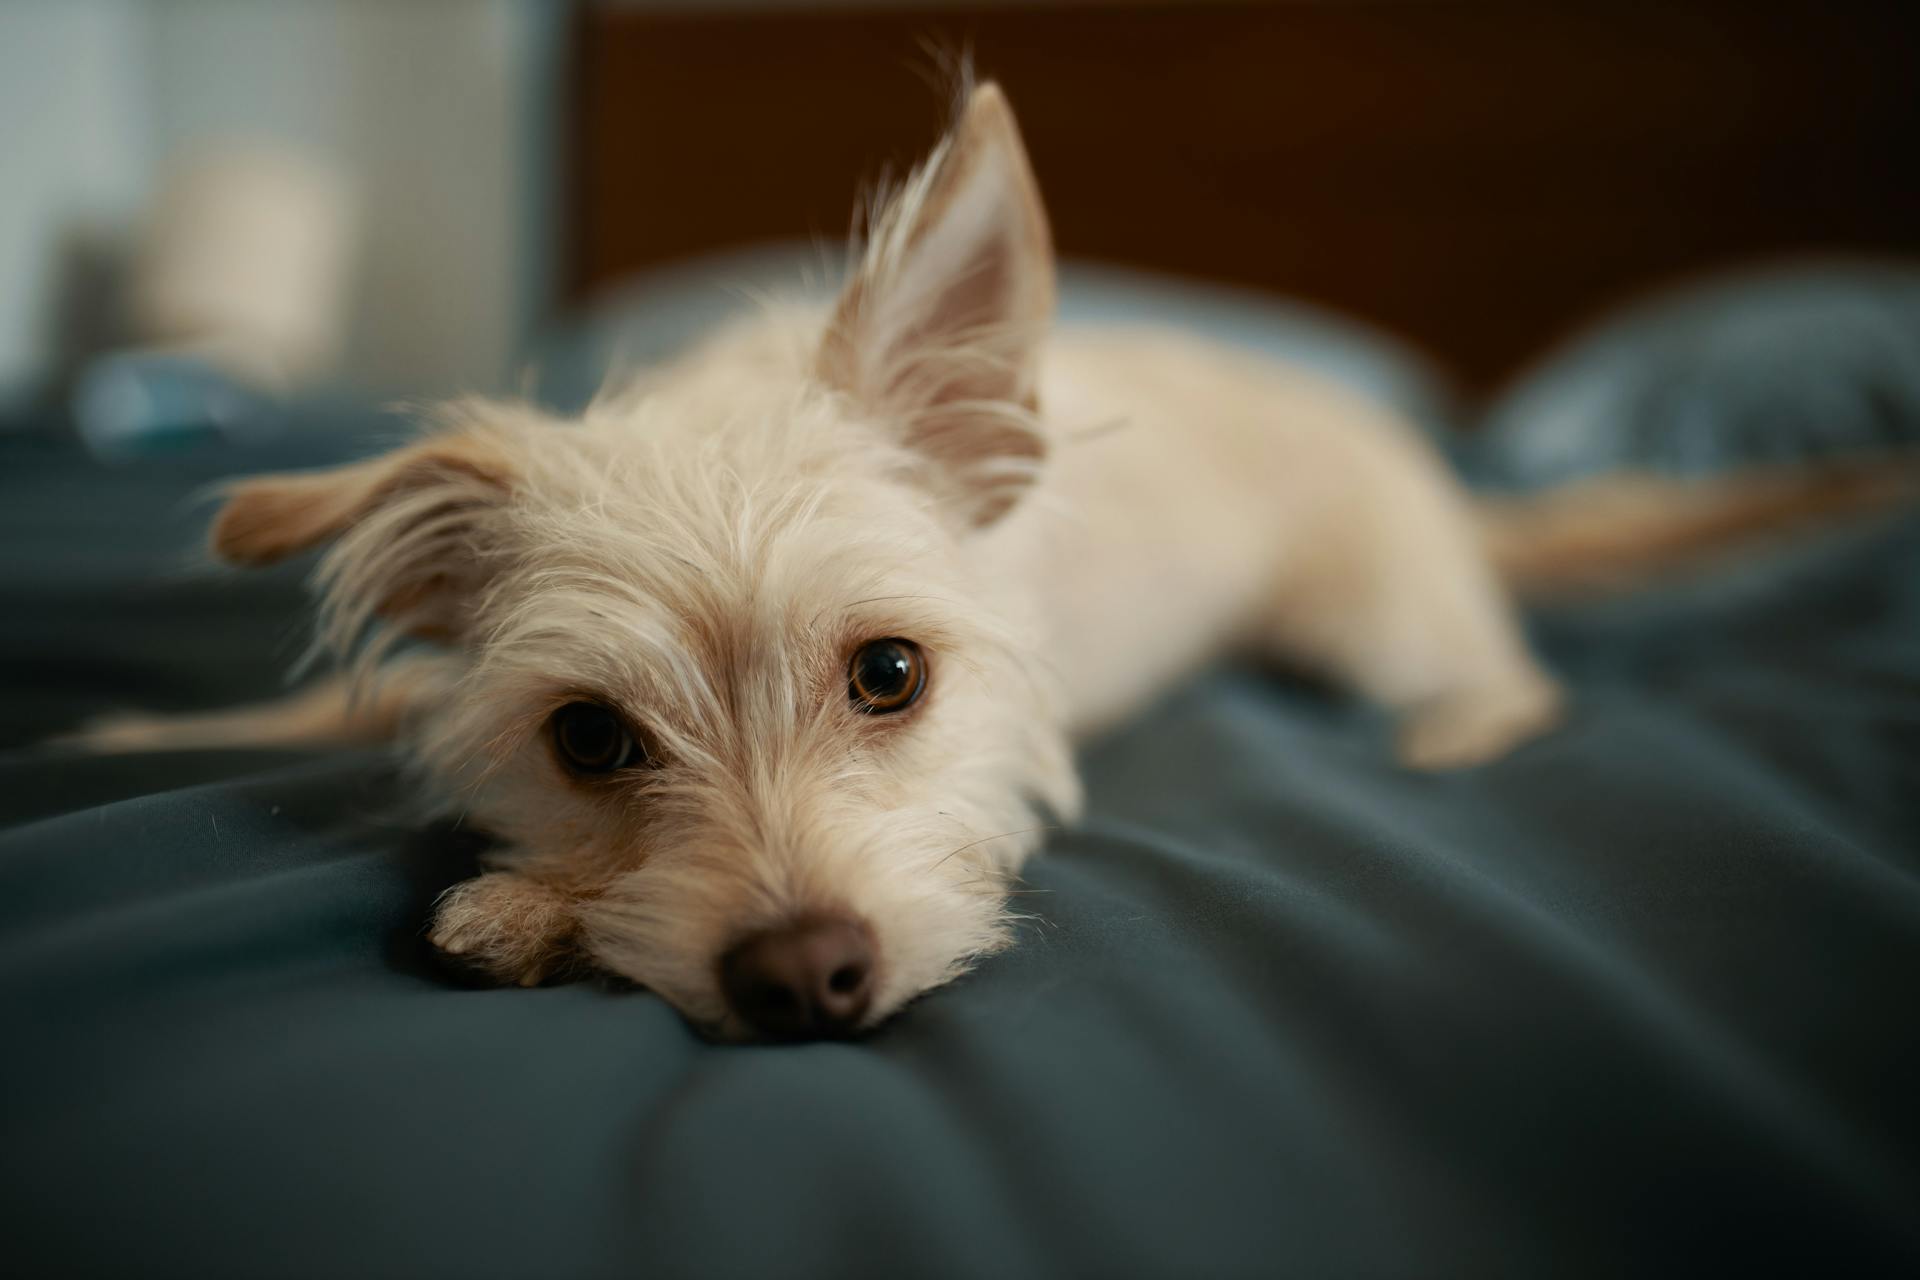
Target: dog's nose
[{"x": 806, "y": 981}]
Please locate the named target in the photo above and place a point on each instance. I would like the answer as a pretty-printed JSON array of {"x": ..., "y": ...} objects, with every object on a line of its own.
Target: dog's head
[{"x": 734, "y": 669}]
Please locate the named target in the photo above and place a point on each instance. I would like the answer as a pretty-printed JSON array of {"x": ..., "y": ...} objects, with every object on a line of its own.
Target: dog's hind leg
[
  {"x": 1393, "y": 597},
  {"x": 335, "y": 710}
]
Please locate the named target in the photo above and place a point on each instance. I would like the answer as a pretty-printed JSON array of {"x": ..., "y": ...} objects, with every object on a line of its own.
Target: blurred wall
[
  {"x": 433, "y": 111},
  {"x": 73, "y": 153},
  {"x": 1476, "y": 175}
]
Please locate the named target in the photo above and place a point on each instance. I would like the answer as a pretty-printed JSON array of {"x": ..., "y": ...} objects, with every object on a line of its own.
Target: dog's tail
[
  {"x": 1616, "y": 531},
  {"x": 336, "y": 710}
]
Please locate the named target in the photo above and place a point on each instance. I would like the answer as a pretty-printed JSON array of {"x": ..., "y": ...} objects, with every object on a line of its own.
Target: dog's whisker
[
  {"x": 1023, "y": 831},
  {"x": 1097, "y": 430}
]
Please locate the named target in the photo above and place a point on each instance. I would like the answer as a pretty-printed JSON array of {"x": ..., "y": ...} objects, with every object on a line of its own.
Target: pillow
[
  {"x": 660, "y": 312},
  {"x": 1801, "y": 360}
]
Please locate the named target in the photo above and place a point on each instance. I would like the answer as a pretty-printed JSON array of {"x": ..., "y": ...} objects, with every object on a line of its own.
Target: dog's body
[
  {"x": 1239, "y": 503},
  {"x": 1027, "y": 537},
  {"x": 1195, "y": 499}
]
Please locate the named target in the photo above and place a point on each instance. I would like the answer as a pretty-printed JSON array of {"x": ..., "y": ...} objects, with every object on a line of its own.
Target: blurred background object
[
  {"x": 247, "y": 255},
  {"x": 388, "y": 217},
  {"x": 236, "y": 295},
  {"x": 400, "y": 199}
]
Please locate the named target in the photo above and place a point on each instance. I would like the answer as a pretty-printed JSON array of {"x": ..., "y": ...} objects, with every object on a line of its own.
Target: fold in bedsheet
[{"x": 1638, "y": 1000}]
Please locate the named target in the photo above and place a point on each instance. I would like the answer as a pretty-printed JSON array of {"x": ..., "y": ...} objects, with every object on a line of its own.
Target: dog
[{"x": 766, "y": 671}]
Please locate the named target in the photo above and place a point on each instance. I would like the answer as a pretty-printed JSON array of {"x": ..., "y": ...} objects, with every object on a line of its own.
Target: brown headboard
[{"x": 1475, "y": 176}]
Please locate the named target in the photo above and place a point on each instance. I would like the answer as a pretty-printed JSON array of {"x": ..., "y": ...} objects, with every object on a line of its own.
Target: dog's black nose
[{"x": 806, "y": 981}]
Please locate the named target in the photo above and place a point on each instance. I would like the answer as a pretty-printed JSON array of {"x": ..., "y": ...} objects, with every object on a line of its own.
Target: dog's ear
[
  {"x": 940, "y": 329},
  {"x": 410, "y": 529}
]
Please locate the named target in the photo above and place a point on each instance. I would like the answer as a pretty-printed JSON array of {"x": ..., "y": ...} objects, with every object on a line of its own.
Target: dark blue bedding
[{"x": 1639, "y": 999}]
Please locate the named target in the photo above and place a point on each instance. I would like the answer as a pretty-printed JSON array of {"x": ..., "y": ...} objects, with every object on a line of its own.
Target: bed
[{"x": 1639, "y": 999}]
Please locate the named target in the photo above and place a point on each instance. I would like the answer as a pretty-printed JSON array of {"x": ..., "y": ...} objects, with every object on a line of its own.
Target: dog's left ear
[{"x": 940, "y": 329}]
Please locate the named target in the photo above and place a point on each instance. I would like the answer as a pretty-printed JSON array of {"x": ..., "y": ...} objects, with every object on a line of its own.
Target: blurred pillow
[
  {"x": 1810, "y": 359},
  {"x": 1339, "y": 348},
  {"x": 660, "y": 312}
]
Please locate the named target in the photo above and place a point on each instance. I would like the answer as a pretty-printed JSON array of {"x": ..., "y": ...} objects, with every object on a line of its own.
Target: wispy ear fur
[
  {"x": 409, "y": 531},
  {"x": 938, "y": 334}
]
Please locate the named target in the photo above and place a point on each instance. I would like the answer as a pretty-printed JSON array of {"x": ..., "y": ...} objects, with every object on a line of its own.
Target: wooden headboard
[{"x": 1475, "y": 176}]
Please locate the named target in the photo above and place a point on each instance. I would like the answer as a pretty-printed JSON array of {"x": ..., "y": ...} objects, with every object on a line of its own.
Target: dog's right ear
[{"x": 409, "y": 528}]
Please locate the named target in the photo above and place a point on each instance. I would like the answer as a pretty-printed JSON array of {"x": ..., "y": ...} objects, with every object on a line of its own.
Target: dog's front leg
[{"x": 507, "y": 927}]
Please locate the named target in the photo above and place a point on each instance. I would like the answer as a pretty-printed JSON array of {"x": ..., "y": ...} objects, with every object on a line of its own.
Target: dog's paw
[
  {"x": 1475, "y": 726},
  {"x": 505, "y": 928}
]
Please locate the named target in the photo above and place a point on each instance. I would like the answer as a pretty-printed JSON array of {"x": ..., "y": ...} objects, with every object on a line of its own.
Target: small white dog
[{"x": 767, "y": 669}]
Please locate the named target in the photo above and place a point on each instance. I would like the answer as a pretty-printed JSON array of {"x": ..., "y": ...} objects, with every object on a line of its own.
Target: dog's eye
[
  {"x": 886, "y": 675},
  {"x": 591, "y": 738}
]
